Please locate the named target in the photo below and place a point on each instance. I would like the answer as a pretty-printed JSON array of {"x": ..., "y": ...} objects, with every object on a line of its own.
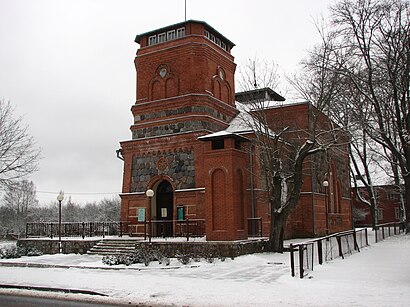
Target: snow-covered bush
[
  {"x": 13, "y": 251},
  {"x": 144, "y": 254}
]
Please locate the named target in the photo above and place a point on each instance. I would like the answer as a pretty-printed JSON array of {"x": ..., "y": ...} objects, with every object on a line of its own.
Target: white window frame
[
  {"x": 162, "y": 37},
  {"x": 152, "y": 40},
  {"x": 171, "y": 35},
  {"x": 180, "y": 32}
]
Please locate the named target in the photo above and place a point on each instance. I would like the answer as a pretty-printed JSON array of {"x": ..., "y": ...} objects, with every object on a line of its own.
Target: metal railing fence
[
  {"x": 174, "y": 228},
  {"x": 303, "y": 256},
  {"x": 385, "y": 230},
  {"x": 76, "y": 229}
]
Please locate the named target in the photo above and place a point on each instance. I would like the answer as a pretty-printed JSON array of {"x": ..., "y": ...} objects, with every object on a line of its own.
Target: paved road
[{"x": 8, "y": 300}]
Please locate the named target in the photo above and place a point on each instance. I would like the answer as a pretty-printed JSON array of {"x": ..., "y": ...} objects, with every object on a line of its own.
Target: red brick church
[{"x": 189, "y": 147}]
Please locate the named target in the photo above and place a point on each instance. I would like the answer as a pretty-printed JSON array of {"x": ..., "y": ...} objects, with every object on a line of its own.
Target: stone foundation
[
  {"x": 224, "y": 249},
  {"x": 49, "y": 246}
]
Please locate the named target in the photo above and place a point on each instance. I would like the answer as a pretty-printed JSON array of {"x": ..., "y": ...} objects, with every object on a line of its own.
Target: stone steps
[{"x": 113, "y": 247}]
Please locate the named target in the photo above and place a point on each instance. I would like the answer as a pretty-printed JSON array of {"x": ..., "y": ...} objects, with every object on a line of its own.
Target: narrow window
[
  {"x": 171, "y": 35},
  {"x": 380, "y": 214},
  {"x": 397, "y": 213},
  {"x": 180, "y": 32},
  {"x": 152, "y": 40},
  {"x": 206, "y": 34},
  {"x": 161, "y": 37}
]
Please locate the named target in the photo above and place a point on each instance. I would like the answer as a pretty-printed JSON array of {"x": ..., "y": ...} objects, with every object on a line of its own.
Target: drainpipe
[
  {"x": 252, "y": 183},
  {"x": 312, "y": 178}
]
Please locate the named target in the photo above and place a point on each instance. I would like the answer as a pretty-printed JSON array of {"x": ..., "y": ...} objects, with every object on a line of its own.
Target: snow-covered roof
[{"x": 247, "y": 102}]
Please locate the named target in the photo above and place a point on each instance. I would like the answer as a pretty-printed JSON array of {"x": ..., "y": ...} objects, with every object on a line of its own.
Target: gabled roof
[{"x": 243, "y": 122}]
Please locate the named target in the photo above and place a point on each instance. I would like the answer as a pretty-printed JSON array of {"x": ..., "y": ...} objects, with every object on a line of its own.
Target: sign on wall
[
  {"x": 164, "y": 212},
  {"x": 141, "y": 214}
]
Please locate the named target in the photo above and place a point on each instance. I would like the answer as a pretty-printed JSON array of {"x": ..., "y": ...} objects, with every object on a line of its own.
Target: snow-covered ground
[{"x": 377, "y": 276}]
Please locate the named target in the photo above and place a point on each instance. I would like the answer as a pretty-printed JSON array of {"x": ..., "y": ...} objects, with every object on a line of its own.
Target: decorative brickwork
[
  {"x": 182, "y": 110},
  {"x": 178, "y": 165},
  {"x": 173, "y": 128}
]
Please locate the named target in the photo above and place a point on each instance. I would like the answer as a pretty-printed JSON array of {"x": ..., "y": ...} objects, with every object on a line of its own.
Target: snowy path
[{"x": 378, "y": 276}]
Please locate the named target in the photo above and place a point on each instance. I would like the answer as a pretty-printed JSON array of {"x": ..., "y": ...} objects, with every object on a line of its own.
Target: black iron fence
[
  {"x": 173, "y": 228},
  {"x": 383, "y": 231},
  {"x": 76, "y": 229},
  {"x": 303, "y": 256}
]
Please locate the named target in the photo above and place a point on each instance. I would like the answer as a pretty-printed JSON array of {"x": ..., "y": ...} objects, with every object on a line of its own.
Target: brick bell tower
[{"x": 185, "y": 90}]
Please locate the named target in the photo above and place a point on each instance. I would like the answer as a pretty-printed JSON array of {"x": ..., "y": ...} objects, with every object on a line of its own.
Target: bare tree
[
  {"x": 376, "y": 36},
  {"x": 21, "y": 199},
  {"x": 359, "y": 75},
  {"x": 283, "y": 149},
  {"x": 18, "y": 152}
]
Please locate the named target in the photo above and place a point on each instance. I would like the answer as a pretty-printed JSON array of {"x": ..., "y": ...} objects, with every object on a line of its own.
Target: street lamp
[
  {"x": 150, "y": 193},
  {"x": 325, "y": 185},
  {"x": 60, "y": 198}
]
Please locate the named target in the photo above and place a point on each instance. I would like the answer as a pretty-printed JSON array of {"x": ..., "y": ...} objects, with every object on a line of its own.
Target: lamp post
[
  {"x": 325, "y": 185},
  {"x": 150, "y": 193},
  {"x": 60, "y": 198}
]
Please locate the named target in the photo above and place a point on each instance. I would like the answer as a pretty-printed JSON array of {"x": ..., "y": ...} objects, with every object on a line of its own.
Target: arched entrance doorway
[{"x": 165, "y": 209}]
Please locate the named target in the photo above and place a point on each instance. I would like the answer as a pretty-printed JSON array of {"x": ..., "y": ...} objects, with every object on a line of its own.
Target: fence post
[
  {"x": 120, "y": 229},
  {"x": 395, "y": 225},
  {"x": 103, "y": 230},
  {"x": 26, "y": 230},
  {"x": 51, "y": 230},
  {"x": 292, "y": 261},
  {"x": 187, "y": 229},
  {"x": 383, "y": 232},
  {"x": 339, "y": 243},
  {"x": 83, "y": 230},
  {"x": 356, "y": 246},
  {"x": 367, "y": 240},
  {"x": 375, "y": 233},
  {"x": 301, "y": 248},
  {"x": 319, "y": 251}
]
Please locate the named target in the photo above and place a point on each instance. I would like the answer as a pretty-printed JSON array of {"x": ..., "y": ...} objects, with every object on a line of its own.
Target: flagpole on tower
[{"x": 185, "y": 10}]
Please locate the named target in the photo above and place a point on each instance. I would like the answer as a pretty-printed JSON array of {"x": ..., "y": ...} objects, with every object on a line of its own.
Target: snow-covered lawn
[{"x": 377, "y": 276}]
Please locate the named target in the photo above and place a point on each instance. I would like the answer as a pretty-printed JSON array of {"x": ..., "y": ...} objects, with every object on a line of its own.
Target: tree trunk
[{"x": 275, "y": 243}]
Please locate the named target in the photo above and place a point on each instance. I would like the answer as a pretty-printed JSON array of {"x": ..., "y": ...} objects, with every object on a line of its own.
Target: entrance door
[{"x": 165, "y": 206}]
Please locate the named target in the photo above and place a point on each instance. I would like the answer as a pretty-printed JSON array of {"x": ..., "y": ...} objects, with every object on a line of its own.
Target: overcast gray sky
[{"x": 67, "y": 67}]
